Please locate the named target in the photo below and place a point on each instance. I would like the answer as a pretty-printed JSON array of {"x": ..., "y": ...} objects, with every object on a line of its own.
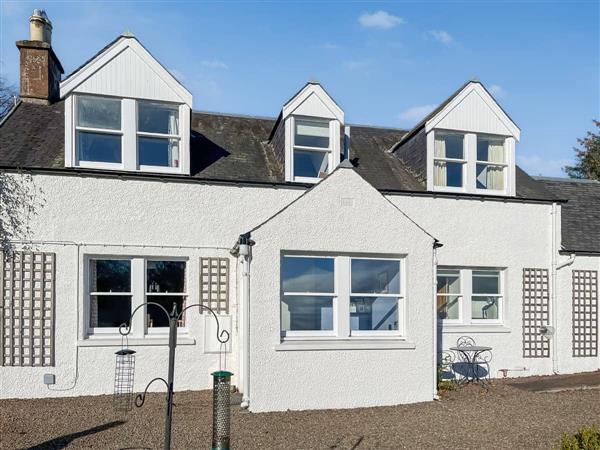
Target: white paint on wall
[{"x": 313, "y": 377}]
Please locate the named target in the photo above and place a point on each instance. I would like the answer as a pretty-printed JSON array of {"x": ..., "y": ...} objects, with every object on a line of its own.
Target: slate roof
[
  {"x": 580, "y": 221},
  {"x": 224, "y": 147}
]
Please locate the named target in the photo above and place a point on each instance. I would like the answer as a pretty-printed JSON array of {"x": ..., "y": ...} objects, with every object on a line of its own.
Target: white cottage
[{"x": 343, "y": 259}]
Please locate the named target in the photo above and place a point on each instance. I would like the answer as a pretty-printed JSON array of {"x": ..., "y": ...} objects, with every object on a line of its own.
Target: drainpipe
[
  {"x": 436, "y": 245},
  {"x": 243, "y": 251}
]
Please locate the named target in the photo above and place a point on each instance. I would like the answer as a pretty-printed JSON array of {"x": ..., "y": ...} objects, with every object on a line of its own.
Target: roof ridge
[{"x": 564, "y": 179}]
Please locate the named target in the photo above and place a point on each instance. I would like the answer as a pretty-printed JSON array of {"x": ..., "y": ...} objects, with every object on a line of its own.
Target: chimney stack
[{"x": 40, "y": 69}]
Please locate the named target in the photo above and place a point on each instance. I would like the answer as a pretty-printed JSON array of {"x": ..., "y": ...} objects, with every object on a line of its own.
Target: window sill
[
  {"x": 116, "y": 341},
  {"x": 496, "y": 328},
  {"x": 345, "y": 344}
]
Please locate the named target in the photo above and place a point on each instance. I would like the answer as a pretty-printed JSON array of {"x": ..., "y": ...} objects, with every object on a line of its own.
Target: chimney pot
[{"x": 40, "y": 27}]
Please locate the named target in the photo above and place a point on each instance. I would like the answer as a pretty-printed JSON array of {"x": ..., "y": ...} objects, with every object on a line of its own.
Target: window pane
[
  {"x": 310, "y": 164},
  {"x": 312, "y": 133},
  {"x": 485, "y": 282},
  {"x": 158, "y": 118},
  {"x": 158, "y": 152},
  {"x": 96, "y": 112},
  {"x": 109, "y": 310},
  {"x": 490, "y": 177},
  {"x": 490, "y": 149},
  {"x": 449, "y": 146},
  {"x": 110, "y": 275},
  {"x": 99, "y": 147},
  {"x": 448, "y": 174},
  {"x": 375, "y": 276},
  {"x": 448, "y": 282},
  {"x": 484, "y": 307},
  {"x": 448, "y": 306},
  {"x": 374, "y": 313},
  {"x": 305, "y": 313},
  {"x": 308, "y": 275},
  {"x": 165, "y": 276},
  {"x": 156, "y": 317}
]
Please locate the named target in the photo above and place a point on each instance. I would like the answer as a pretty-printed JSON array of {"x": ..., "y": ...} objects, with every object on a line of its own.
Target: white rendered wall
[
  {"x": 501, "y": 234},
  {"x": 566, "y": 362},
  {"x": 137, "y": 215},
  {"x": 343, "y": 214}
]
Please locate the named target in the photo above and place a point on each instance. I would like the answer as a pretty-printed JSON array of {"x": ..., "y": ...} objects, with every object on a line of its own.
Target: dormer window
[
  {"x": 449, "y": 160},
  {"x": 98, "y": 130},
  {"x": 312, "y": 148},
  {"x": 158, "y": 135},
  {"x": 491, "y": 162}
]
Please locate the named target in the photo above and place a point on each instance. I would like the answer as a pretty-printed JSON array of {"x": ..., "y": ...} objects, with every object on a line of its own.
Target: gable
[
  {"x": 474, "y": 110},
  {"x": 313, "y": 101},
  {"x": 126, "y": 69},
  {"x": 344, "y": 205}
]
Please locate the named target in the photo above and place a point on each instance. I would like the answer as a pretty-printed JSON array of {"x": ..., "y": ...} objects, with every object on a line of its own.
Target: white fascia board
[
  {"x": 305, "y": 93},
  {"x": 71, "y": 83},
  {"x": 489, "y": 101}
]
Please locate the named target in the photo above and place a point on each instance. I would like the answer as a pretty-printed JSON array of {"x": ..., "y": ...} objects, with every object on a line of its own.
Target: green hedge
[{"x": 587, "y": 438}]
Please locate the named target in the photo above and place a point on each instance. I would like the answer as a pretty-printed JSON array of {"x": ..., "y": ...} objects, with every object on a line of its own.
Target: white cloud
[
  {"x": 214, "y": 64},
  {"x": 413, "y": 115},
  {"x": 356, "y": 65},
  {"x": 330, "y": 46},
  {"x": 442, "y": 36},
  {"x": 497, "y": 90},
  {"x": 542, "y": 165},
  {"x": 380, "y": 19}
]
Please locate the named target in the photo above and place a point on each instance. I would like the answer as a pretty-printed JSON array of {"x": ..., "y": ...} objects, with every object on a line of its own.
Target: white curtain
[
  {"x": 495, "y": 174},
  {"x": 174, "y": 143},
  {"x": 439, "y": 167}
]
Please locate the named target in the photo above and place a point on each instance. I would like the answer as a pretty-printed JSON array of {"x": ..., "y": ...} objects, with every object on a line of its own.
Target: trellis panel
[
  {"x": 585, "y": 313},
  {"x": 214, "y": 284},
  {"x": 536, "y": 312},
  {"x": 27, "y": 307}
]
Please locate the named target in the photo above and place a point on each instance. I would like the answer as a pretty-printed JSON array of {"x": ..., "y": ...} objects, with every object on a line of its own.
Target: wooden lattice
[
  {"x": 535, "y": 313},
  {"x": 585, "y": 313},
  {"x": 214, "y": 284},
  {"x": 27, "y": 322}
]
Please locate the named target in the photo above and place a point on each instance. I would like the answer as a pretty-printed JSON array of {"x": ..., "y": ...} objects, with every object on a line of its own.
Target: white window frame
[
  {"x": 129, "y": 136},
  {"x": 463, "y": 161},
  {"x": 470, "y": 162},
  {"x": 147, "y": 168},
  {"x": 329, "y": 150},
  {"x": 341, "y": 300},
  {"x": 504, "y": 165},
  {"x": 466, "y": 288},
  {"x": 139, "y": 328},
  {"x": 77, "y": 127}
]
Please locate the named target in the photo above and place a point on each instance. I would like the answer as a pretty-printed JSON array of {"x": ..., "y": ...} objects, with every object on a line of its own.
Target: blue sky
[{"x": 385, "y": 63}]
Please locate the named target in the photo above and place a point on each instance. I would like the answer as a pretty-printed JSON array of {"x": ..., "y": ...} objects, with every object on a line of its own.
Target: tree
[{"x": 588, "y": 157}]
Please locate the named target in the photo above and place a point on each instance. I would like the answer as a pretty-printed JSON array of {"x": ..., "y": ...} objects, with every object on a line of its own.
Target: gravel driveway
[{"x": 505, "y": 417}]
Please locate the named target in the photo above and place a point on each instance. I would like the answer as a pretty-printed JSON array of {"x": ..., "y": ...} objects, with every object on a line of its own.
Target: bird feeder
[
  {"x": 124, "y": 371},
  {"x": 221, "y": 410}
]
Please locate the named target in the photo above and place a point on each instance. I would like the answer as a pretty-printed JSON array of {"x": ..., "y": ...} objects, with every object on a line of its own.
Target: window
[
  {"x": 128, "y": 134},
  {"x": 491, "y": 163},
  {"x": 158, "y": 135},
  {"x": 98, "y": 130},
  {"x": 341, "y": 296},
  {"x": 469, "y": 296},
  {"x": 308, "y": 294},
  {"x": 165, "y": 285},
  {"x": 312, "y": 148},
  {"x": 117, "y": 286},
  {"x": 110, "y": 292},
  {"x": 449, "y": 160},
  {"x": 375, "y": 294}
]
